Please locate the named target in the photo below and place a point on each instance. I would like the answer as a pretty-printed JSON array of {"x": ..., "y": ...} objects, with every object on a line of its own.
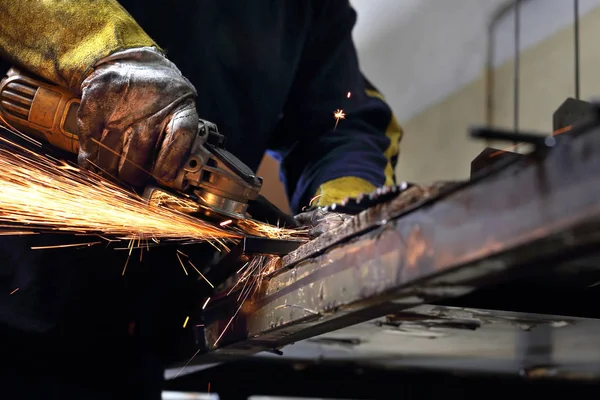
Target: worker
[{"x": 270, "y": 74}]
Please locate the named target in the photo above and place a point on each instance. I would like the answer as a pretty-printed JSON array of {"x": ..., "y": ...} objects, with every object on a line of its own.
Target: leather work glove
[
  {"x": 329, "y": 193},
  {"x": 137, "y": 117},
  {"x": 320, "y": 221},
  {"x": 135, "y": 102}
]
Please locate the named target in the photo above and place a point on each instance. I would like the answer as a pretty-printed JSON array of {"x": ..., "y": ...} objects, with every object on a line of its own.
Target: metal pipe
[
  {"x": 576, "y": 47},
  {"x": 500, "y": 13},
  {"x": 516, "y": 66}
]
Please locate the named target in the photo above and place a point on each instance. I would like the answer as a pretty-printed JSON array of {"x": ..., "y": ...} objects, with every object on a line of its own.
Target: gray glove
[
  {"x": 141, "y": 110},
  {"x": 320, "y": 221}
]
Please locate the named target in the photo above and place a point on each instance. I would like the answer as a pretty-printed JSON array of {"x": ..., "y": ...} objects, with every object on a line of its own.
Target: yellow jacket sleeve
[
  {"x": 61, "y": 40},
  {"x": 336, "y": 190}
]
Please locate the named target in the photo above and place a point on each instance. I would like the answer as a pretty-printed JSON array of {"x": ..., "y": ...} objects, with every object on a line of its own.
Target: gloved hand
[
  {"x": 332, "y": 192},
  {"x": 320, "y": 221},
  {"x": 137, "y": 116}
]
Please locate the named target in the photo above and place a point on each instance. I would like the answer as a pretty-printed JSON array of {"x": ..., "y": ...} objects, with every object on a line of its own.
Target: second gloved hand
[
  {"x": 319, "y": 221},
  {"x": 137, "y": 116}
]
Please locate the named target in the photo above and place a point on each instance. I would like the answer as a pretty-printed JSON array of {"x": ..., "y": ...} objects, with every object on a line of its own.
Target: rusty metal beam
[{"x": 513, "y": 222}]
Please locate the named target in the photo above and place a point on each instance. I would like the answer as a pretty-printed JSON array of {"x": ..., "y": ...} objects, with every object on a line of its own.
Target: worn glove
[
  {"x": 137, "y": 117},
  {"x": 320, "y": 221},
  {"x": 331, "y": 192}
]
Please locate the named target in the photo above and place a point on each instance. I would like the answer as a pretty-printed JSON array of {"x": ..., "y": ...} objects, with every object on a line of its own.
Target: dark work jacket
[{"x": 270, "y": 74}]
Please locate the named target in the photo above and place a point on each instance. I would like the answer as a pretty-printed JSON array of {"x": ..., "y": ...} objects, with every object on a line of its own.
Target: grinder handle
[{"x": 40, "y": 109}]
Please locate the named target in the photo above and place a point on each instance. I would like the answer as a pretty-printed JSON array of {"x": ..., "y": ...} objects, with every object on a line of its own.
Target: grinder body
[{"x": 43, "y": 111}]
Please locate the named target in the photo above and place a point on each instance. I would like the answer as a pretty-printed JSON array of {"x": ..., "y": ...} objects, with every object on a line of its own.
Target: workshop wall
[
  {"x": 428, "y": 57},
  {"x": 546, "y": 79},
  {"x": 272, "y": 187}
]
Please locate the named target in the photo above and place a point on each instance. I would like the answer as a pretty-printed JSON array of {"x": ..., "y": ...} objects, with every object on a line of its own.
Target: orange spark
[
  {"x": 205, "y": 303},
  {"x": 272, "y": 231},
  {"x": 40, "y": 193},
  {"x": 348, "y": 95},
  {"x": 187, "y": 363},
  {"x": 201, "y": 275},
  {"x": 338, "y": 114},
  {"x": 130, "y": 247},
  {"x": 16, "y": 233},
  {"x": 181, "y": 262},
  {"x": 555, "y": 133},
  {"x": 254, "y": 272},
  {"x": 186, "y": 321},
  {"x": 14, "y": 291},
  {"x": 62, "y": 246},
  {"x": 227, "y": 222},
  {"x": 313, "y": 199}
]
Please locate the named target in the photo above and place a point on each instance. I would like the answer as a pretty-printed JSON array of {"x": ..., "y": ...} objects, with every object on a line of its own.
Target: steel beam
[{"x": 512, "y": 222}]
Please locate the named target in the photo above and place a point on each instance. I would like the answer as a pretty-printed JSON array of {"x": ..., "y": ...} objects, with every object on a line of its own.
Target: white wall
[
  {"x": 420, "y": 51},
  {"x": 539, "y": 20}
]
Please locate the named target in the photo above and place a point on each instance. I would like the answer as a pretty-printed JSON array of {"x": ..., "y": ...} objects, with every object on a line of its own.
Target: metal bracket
[{"x": 539, "y": 141}]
